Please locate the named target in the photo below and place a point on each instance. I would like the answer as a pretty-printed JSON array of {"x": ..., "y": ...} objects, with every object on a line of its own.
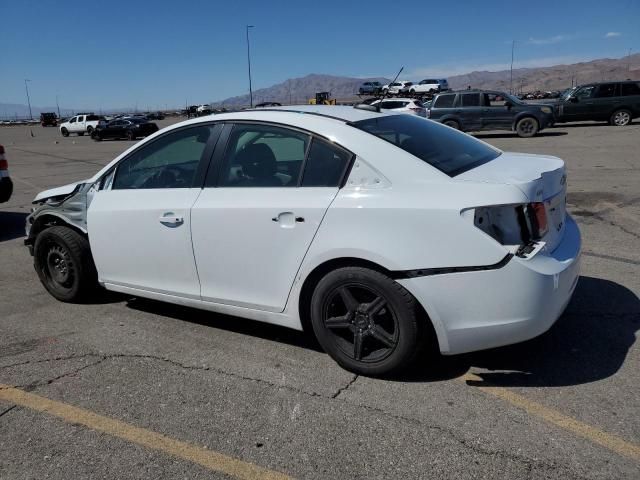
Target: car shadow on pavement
[
  {"x": 12, "y": 225},
  {"x": 513, "y": 135},
  {"x": 226, "y": 322},
  {"x": 588, "y": 343}
]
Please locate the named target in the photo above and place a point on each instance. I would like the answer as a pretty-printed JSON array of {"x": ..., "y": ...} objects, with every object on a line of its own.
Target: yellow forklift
[{"x": 322, "y": 98}]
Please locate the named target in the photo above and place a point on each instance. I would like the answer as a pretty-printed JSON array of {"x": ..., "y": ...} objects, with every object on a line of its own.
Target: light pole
[
  {"x": 249, "y": 64},
  {"x": 58, "y": 106},
  {"x": 513, "y": 46},
  {"x": 26, "y": 87}
]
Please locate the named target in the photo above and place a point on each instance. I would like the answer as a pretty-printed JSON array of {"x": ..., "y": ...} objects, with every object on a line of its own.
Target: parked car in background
[
  {"x": 615, "y": 102},
  {"x": 379, "y": 233},
  {"x": 80, "y": 124},
  {"x": 429, "y": 85},
  {"x": 267, "y": 104},
  {"x": 6, "y": 185},
  {"x": 48, "y": 119},
  {"x": 474, "y": 110},
  {"x": 394, "y": 88},
  {"x": 129, "y": 128},
  {"x": 370, "y": 88},
  {"x": 402, "y": 105},
  {"x": 155, "y": 116}
]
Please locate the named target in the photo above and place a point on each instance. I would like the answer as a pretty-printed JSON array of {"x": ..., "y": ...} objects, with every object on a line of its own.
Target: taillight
[{"x": 538, "y": 218}]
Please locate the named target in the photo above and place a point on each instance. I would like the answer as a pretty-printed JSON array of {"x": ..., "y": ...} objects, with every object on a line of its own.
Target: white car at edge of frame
[{"x": 377, "y": 232}]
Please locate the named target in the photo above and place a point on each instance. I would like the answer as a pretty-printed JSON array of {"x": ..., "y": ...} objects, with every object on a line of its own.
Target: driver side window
[
  {"x": 584, "y": 92},
  {"x": 168, "y": 162}
]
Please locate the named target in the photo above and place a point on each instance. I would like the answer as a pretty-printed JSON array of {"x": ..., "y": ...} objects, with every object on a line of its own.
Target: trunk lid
[{"x": 541, "y": 178}]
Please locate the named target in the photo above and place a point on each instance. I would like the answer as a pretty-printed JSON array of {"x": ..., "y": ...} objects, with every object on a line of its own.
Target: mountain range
[{"x": 300, "y": 90}]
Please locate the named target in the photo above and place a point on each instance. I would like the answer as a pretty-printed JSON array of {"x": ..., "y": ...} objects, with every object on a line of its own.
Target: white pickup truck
[{"x": 80, "y": 124}]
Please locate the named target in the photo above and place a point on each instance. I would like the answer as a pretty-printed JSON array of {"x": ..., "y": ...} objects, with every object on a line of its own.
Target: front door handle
[
  {"x": 287, "y": 219},
  {"x": 171, "y": 220}
]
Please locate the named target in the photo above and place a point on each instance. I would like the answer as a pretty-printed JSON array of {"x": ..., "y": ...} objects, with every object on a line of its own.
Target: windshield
[{"x": 450, "y": 151}]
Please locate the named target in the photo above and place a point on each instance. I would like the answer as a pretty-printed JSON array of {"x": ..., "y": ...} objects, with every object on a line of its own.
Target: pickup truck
[{"x": 80, "y": 124}]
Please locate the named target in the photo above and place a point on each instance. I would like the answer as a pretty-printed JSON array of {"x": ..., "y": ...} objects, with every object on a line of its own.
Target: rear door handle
[{"x": 171, "y": 220}]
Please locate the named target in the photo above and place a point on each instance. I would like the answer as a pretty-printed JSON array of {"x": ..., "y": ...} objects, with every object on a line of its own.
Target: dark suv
[
  {"x": 615, "y": 102},
  {"x": 48, "y": 119},
  {"x": 473, "y": 110}
]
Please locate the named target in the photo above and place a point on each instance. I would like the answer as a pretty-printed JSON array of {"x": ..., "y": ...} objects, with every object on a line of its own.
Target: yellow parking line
[
  {"x": 156, "y": 441},
  {"x": 595, "y": 435}
]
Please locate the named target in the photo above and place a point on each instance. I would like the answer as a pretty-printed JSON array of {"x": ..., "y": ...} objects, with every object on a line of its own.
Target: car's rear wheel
[
  {"x": 452, "y": 124},
  {"x": 64, "y": 132},
  {"x": 527, "y": 127},
  {"x": 89, "y": 130},
  {"x": 131, "y": 135},
  {"x": 366, "y": 322},
  {"x": 96, "y": 136},
  {"x": 62, "y": 259},
  {"x": 620, "y": 118}
]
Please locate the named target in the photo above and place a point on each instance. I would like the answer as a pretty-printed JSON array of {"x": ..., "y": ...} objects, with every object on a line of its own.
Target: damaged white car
[{"x": 374, "y": 231}]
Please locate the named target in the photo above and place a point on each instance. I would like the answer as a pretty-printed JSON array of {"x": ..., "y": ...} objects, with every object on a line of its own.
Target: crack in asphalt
[
  {"x": 345, "y": 388},
  {"x": 7, "y": 410},
  {"x": 530, "y": 464}
]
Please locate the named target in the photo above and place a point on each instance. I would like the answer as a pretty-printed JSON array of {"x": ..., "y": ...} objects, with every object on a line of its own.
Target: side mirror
[{"x": 574, "y": 99}]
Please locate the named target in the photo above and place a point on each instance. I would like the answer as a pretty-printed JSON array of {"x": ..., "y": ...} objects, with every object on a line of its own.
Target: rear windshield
[{"x": 450, "y": 151}]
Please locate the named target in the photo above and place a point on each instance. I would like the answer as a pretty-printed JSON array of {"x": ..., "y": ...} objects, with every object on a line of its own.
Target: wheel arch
[
  {"x": 50, "y": 219},
  {"x": 319, "y": 271}
]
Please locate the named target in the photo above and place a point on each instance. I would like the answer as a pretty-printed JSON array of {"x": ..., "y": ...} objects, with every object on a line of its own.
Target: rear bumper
[{"x": 485, "y": 309}]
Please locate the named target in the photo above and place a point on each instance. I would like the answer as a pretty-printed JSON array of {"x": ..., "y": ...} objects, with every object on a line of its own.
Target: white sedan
[
  {"x": 375, "y": 232},
  {"x": 411, "y": 106}
]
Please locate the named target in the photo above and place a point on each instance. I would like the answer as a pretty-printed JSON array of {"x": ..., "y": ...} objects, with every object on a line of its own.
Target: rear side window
[
  {"x": 629, "y": 89},
  {"x": 450, "y": 151},
  {"x": 470, "y": 99},
  {"x": 393, "y": 104},
  {"x": 444, "y": 101},
  {"x": 325, "y": 165},
  {"x": 607, "y": 90},
  {"x": 91, "y": 118},
  {"x": 263, "y": 156}
]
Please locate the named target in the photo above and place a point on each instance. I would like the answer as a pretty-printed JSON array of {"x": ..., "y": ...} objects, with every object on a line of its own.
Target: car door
[
  {"x": 139, "y": 220},
  {"x": 72, "y": 124},
  {"x": 469, "y": 111},
  {"x": 579, "y": 106},
  {"x": 78, "y": 126},
  {"x": 259, "y": 211},
  {"x": 605, "y": 98},
  {"x": 498, "y": 113}
]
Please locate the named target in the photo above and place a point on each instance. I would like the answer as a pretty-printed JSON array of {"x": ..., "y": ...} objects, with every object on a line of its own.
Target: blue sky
[{"x": 105, "y": 54}]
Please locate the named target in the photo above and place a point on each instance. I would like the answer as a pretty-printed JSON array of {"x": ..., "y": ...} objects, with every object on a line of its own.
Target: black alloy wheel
[{"x": 365, "y": 321}]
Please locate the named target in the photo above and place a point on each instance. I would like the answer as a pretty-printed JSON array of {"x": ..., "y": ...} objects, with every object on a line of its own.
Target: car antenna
[{"x": 376, "y": 107}]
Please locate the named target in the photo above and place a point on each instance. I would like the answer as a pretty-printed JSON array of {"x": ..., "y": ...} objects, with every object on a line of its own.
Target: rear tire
[
  {"x": 63, "y": 261},
  {"x": 64, "y": 132},
  {"x": 452, "y": 124},
  {"x": 620, "y": 118},
  {"x": 130, "y": 135},
  {"x": 527, "y": 127},
  {"x": 89, "y": 130},
  {"x": 365, "y": 321}
]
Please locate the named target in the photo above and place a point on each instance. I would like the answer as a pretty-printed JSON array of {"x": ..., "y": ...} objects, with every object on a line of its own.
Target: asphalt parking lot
[{"x": 129, "y": 388}]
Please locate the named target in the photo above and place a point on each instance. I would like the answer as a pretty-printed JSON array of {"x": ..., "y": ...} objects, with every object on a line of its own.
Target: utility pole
[
  {"x": 249, "y": 64},
  {"x": 26, "y": 87},
  {"x": 513, "y": 46},
  {"x": 58, "y": 106}
]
